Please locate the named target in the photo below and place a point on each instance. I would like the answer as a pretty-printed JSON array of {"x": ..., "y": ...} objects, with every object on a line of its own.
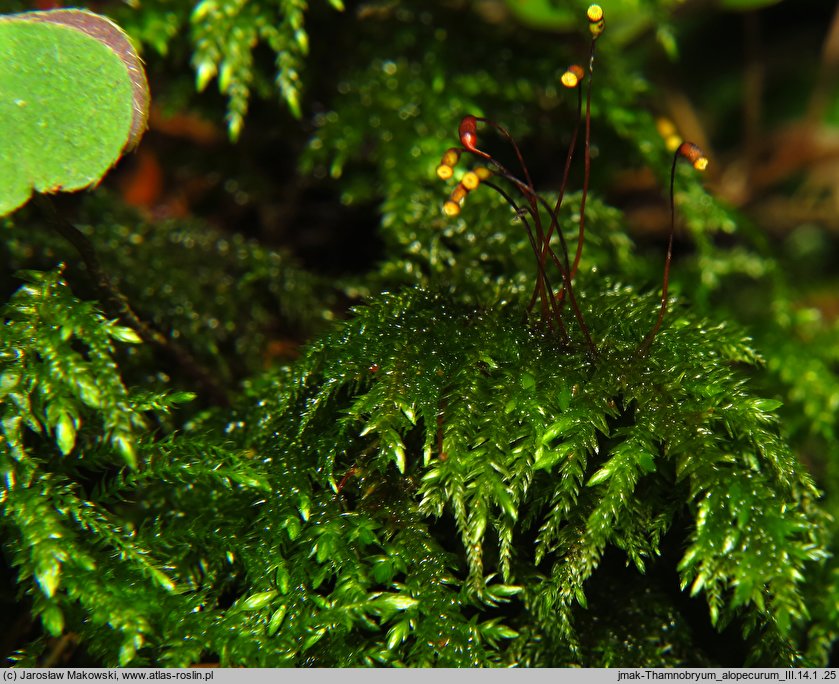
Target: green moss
[{"x": 442, "y": 478}]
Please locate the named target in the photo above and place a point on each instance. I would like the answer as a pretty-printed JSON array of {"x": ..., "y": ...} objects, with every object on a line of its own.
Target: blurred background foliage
[{"x": 288, "y": 174}]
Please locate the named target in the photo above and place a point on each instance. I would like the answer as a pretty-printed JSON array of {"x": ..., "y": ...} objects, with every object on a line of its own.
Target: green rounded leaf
[
  {"x": 277, "y": 620},
  {"x": 124, "y": 334},
  {"x": 73, "y": 97},
  {"x": 53, "y": 620},
  {"x": 48, "y": 573},
  {"x": 65, "y": 433},
  {"x": 258, "y": 601},
  {"x": 600, "y": 476},
  {"x": 125, "y": 446},
  {"x": 395, "y": 602}
]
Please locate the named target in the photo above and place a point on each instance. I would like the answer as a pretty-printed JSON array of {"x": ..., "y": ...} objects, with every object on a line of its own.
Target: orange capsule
[
  {"x": 470, "y": 180},
  {"x": 459, "y": 194},
  {"x": 444, "y": 172},
  {"x": 450, "y": 157},
  {"x": 572, "y": 76},
  {"x": 694, "y": 155},
  {"x": 451, "y": 208}
]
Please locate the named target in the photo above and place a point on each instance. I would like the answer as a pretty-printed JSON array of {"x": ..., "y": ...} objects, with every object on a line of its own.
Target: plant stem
[{"x": 648, "y": 340}]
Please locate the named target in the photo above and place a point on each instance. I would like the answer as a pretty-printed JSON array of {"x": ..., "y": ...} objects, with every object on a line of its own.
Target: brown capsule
[
  {"x": 468, "y": 132},
  {"x": 694, "y": 155},
  {"x": 459, "y": 194}
]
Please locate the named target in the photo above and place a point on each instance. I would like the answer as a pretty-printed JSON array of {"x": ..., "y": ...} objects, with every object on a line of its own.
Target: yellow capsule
[
  {"x": 470, "y": 180},
  {"x": 597, "y": 22},
  {"x": 572, "y": 76},
  {"x": 701, "y": 164},
  {"x": 450, "y": 157},
  {"x": 569, "y": 80},
  {"x": 483, "y": 172},
  {"x": 451, "y": 208},
  {"x": 444, "y": 172}
]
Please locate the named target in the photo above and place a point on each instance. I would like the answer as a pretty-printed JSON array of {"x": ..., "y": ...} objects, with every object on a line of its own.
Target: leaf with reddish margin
[{"x": 73, "y": 99}]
